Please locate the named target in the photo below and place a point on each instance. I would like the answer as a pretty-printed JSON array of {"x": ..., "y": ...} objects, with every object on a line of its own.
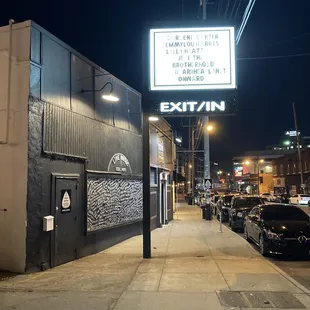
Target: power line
[
  {"x": 289, "y": 39},
  {"x": 274, "y": 57},
  {"x": 219, "y": 8},
  {"x": 237, "y": 11},
  {"x": 227, "y": 7},
  {"x": 233, "y": 9}
]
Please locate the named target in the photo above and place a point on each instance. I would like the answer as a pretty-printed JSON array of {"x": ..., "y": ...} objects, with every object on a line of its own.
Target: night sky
[{"x": 109, "y": 33}]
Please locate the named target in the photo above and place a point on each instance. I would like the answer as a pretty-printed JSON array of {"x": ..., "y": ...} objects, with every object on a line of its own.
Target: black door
[{"x": 66, "y": 220}]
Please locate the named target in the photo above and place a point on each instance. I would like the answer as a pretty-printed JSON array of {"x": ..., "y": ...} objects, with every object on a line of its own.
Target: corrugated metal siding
[{"x": 72, "y": 134}]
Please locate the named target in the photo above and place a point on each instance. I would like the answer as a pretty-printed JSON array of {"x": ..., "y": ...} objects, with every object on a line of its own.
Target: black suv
[{"x": 240, "y": 208}]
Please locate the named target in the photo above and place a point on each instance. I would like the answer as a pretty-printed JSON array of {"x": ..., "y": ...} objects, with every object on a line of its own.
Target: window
[
  {"x": 294, "y": 168},
  {"x": 169, "y": 179},
  {"x": 284, "y": 213},
  {"x": 153, "y": 177},
  {"x": 288, "y": 169},
  {"x": 306, "y": 166},
  {"x": 281, "y": 169},
  {"x": 275, "y": 170}
]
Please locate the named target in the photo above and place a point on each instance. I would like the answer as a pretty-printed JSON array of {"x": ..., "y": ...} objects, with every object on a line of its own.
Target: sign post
[{"x": 188, "y": 71}]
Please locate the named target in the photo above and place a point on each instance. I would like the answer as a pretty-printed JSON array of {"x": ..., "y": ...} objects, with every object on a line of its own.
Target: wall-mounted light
[
  {"x": 179, "y": 140},
  {"x": 109, "y": 96}
]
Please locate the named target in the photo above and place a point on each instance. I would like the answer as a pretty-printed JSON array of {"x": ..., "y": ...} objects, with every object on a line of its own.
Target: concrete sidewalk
[{"x": 194, "y": 266}]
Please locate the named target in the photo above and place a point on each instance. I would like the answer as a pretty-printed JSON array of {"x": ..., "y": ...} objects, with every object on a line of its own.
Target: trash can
[
  {"x": 203, "y": 212},
  {"x": 208, "y": 213},
  {"x": 190, "y": 200}
]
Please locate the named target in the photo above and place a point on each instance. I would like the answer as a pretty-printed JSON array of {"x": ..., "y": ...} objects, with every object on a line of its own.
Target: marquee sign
[
  {"x": 192, "y": 59},
  {"x": 210, "y": 107}
]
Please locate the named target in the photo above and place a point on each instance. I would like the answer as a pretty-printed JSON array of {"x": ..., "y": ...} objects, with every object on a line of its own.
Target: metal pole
[
  {"x": 204, "y": 9},
  {"x": 221, "y": 226},
  {"x": 146, "y": 187},
  {"x": 258, "y": 179},
  {"x": 298, "y": 148},
  {"x": 189, "y": 148},
  {"x": 193, "y": 159},
  {"x": 206, "y": 118}
]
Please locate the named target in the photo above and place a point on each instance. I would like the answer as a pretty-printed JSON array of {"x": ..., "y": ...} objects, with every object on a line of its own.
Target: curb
[{"x": 280, "y": 271}]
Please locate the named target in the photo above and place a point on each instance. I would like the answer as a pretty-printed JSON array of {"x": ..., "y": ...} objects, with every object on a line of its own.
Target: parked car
[
  {"x": 278, "y": 229},
  {"x": 283, "y": 198},
  {"x": 224, "y": 205},
  {"x": 300, "y": 199},
  {"x": 240, "y": 207},
  {"x": 268, "y": 196}
]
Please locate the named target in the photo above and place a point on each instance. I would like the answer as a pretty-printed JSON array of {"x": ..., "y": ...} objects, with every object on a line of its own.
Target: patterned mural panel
[{"x": 112, "y": 202}]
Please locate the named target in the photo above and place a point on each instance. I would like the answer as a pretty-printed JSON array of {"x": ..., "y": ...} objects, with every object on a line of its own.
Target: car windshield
[
  {"x": 216, "y": 198},
  {"x": 249, "y": 201},
  {"x": 284, "y": 213}
]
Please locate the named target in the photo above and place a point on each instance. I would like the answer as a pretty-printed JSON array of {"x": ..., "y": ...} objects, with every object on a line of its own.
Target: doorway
[{"x": 66, "y": 210}]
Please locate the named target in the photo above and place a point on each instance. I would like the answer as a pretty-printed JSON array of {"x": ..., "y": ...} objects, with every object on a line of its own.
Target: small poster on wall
[{"x": 65, "y": 200}]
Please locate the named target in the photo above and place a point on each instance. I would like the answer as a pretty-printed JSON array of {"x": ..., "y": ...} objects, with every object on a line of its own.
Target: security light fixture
[{"x": 106, "y": 96}]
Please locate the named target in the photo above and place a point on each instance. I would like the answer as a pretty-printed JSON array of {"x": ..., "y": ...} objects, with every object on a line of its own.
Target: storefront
[
  {"x": 162, "y": 158},
  {"x": 75, "y": 158}
]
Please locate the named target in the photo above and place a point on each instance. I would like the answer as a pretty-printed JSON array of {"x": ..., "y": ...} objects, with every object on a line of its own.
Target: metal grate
[{"x": 268, "y": 300}]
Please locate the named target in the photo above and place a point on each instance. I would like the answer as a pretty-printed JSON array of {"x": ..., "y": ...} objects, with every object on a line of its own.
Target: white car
[{"x": 300, "y": 199}]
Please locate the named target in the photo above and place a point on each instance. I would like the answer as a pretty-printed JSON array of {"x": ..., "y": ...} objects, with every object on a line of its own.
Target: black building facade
[{"x": 83, "y": 157}]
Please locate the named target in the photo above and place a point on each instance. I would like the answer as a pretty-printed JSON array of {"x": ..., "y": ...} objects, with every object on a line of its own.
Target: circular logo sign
[{"x": 119, "y": 163}]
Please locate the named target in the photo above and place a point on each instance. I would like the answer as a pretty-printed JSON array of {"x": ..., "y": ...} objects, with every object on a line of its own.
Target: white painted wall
[{"x": 14, "y": 154}]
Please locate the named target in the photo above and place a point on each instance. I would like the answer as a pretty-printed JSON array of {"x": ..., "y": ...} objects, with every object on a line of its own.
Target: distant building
[
  {"x": 287, "y": 170},
  {"x": 253, "y": 169},
  {"x": 289, "y": 142}
]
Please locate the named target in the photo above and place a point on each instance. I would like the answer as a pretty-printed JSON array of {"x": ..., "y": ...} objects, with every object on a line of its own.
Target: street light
[
  {"x": 209, "y": 128},
  {"x": 190, "y": 166},
  {"x": 179, "y": 140}
]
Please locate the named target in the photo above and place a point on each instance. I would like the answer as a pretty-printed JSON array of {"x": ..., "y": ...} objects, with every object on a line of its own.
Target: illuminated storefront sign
[
  {"x": 238, "y": 171},
  {"x": 192, "y": 106},
  {"x": 192, "y": 58},
  {"x": 292, "y": 133}
]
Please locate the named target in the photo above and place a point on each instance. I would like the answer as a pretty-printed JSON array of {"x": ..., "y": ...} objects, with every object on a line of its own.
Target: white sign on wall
[{"x": 192, "y": 58}]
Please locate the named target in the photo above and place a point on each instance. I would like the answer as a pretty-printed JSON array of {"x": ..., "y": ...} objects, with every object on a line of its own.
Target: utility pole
[
  {"x": 258, "y": 178},
  {"x": 206, "y": 118},
  {"x": 298, "y": 149}
]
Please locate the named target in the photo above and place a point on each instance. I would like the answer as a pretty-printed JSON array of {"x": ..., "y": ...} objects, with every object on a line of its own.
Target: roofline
[{"x": 65, "y": 45}]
